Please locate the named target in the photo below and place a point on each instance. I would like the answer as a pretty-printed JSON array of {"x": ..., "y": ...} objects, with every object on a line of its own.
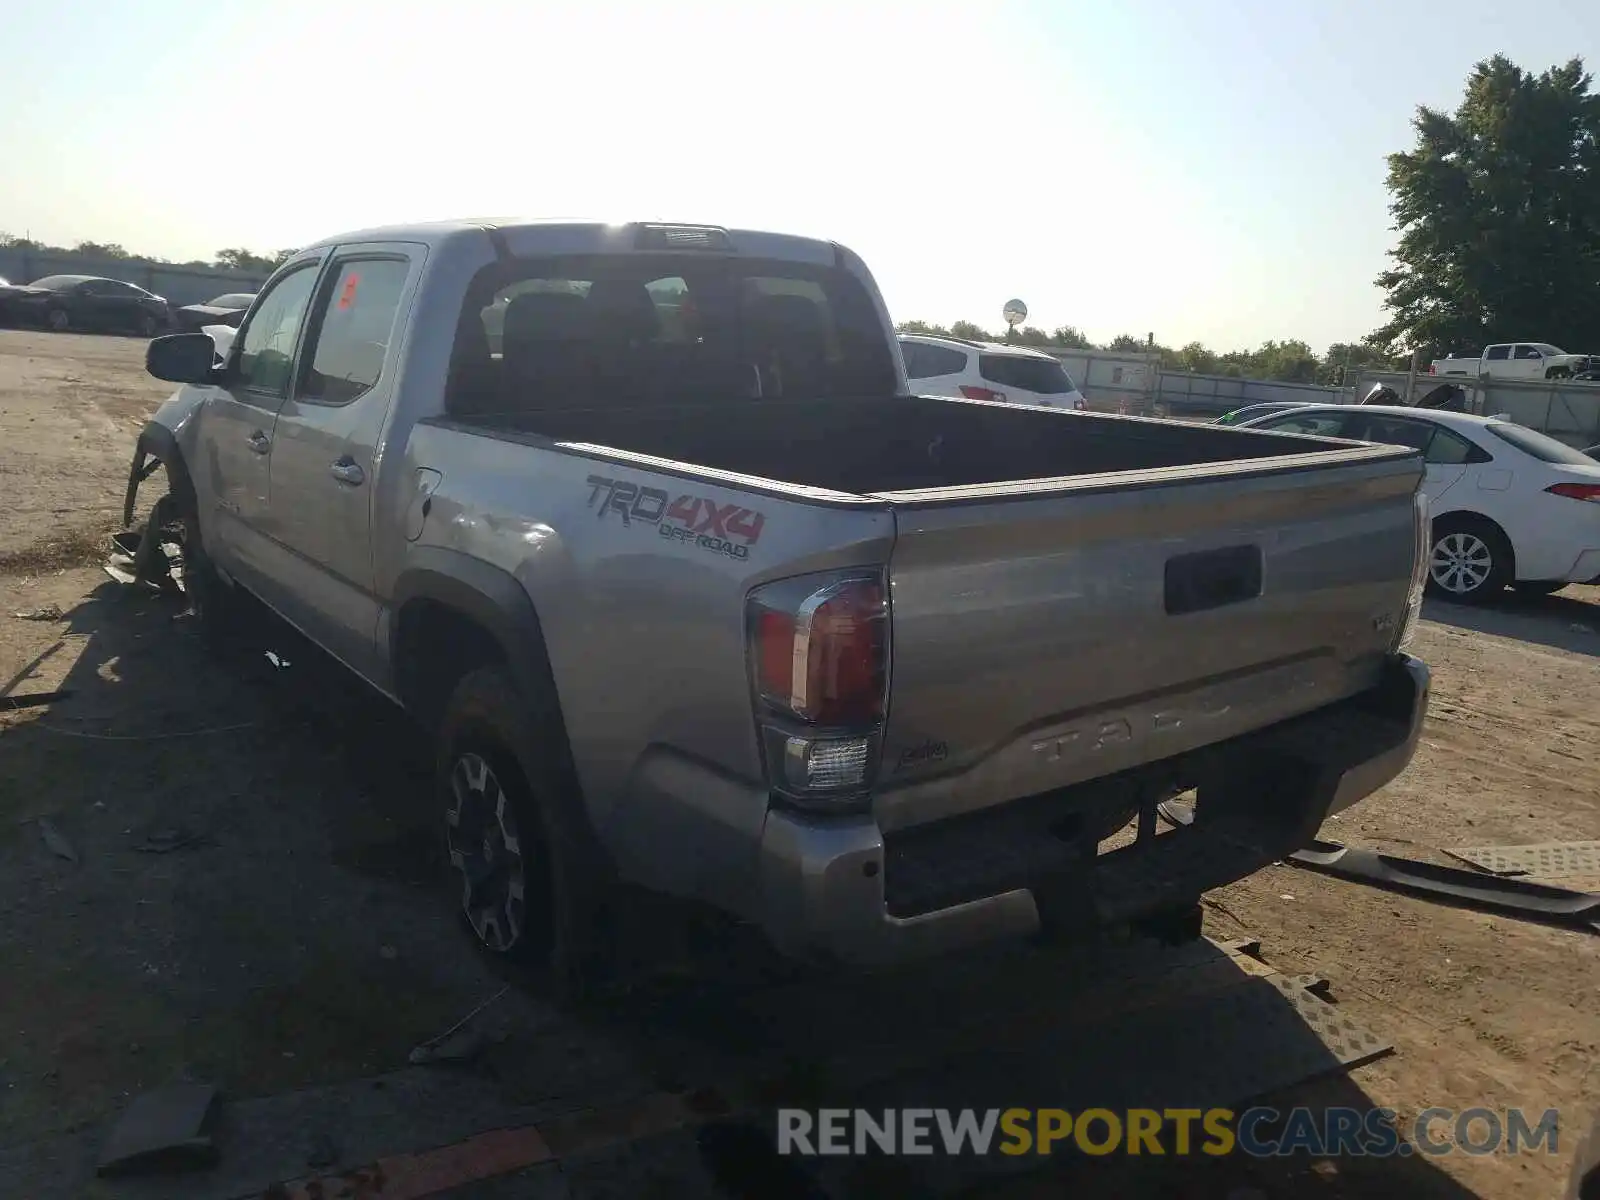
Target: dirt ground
[{"x": 254, "y": 897}]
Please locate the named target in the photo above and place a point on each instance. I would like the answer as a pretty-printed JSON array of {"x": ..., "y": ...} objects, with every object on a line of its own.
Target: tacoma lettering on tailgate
[{"x": 727, "y": 529}]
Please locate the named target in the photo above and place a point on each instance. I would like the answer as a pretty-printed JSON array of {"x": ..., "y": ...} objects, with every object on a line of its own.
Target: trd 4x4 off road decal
[{"x": 729, "y": 529}]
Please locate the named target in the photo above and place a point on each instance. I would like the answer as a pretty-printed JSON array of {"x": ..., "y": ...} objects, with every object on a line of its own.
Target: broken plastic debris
[
  {"x": 164, "y": 840},
  {"x": 50, "y": 612},
  {"x": 458, "y": 1043},
  {"x": 277, "y": 660},
  {"x": 461, "y": 1046},
  {"x": 57, "y": 843},
  {"x": 162, "y": 1130}
]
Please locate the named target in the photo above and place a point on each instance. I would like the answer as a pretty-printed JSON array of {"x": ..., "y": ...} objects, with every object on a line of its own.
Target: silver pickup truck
[{"x": 642, "y": 525}]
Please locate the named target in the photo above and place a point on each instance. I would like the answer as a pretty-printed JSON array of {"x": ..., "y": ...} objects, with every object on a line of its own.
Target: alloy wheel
[
  {"x": 486, "y": 848},
  {"x": 1461, "y": 563}
]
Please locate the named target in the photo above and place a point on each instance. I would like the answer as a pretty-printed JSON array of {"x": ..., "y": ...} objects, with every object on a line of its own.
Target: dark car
[
  {"x": 1593, "y": 452},
  {"x": 86, "y": 302},
  {"x": 228, "y": 309}
]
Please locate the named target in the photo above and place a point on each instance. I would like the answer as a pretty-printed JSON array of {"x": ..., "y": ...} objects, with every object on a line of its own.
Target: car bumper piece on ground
[{"x": 837, "y": 888}]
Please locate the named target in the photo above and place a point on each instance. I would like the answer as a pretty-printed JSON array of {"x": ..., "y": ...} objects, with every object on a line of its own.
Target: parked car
[
  {"x": 1517, "y": 360},
  {"x": 632, "y": 578},
  {"x": 945, "y": 366},
  {"x": 1593, "y": 452},
  {"x": 89, "y": 303},
  {"x": 1251, "y": 411},
  {"x": 1508, "y": 505},
  {"x": 227, "y": 309}
]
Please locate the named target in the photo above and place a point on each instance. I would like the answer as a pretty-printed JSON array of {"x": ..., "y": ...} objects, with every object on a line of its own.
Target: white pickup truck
[{"x": 1518, "y": 360}]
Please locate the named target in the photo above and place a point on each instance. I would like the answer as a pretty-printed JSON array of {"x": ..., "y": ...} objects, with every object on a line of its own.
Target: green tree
[
  {"x": 239, "y": 259},
  {"x": 1125, "y": 342},
  {"x": 1069, "y": 337},
  {"x": 974, "y": 333},
  {"x": 1198, "y": 359},
  {"x": 1345, "y": 360},
  {"x": 101, "y": 249},
  {"x": 1498, "y": 211}
]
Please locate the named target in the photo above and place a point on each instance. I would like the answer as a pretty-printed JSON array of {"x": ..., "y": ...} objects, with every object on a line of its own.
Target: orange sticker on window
[{"x": 348, "y": 295}]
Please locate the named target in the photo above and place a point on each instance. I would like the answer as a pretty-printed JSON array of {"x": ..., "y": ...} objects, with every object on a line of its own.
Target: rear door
[
  {"x": 325, "y": 449},
  {"x": 1061, "y": 633},
  {"x": 1445, "y": 455}
]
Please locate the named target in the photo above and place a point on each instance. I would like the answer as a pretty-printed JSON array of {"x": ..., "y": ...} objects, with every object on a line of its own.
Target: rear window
[
  {"x": 1042, "y": 375},
  {"x": 632, "y": 330},
  {"x": 1542, "y": 446},
  {"x": 924, "y": 361}
]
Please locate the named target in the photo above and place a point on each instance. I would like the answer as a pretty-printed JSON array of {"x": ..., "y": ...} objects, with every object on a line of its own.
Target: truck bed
[
  {"x": 1074, "y": 595},
  {"x": 902, "y": 444}
]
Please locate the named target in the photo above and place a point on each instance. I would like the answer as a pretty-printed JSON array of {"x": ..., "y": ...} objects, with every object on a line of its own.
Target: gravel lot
[{"x": 302, "y": 933}]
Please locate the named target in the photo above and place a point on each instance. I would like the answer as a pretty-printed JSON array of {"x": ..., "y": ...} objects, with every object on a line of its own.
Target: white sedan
[{"x": 1509, "y": 505}]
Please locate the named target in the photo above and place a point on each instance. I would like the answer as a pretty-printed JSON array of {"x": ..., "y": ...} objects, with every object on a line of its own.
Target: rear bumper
[{"x": 837, "y": 888}]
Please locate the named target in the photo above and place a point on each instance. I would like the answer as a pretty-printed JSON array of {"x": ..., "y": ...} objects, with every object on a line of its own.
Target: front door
[
  {"x": 236, "y": 433},
  {"x": 326, "y": 450}
]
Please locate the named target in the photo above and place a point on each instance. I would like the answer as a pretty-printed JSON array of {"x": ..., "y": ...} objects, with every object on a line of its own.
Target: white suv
[{"x": 945, "y": 366}]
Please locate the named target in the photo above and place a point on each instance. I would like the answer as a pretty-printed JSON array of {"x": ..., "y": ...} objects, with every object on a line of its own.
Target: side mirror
[{"x": 181, "y": 357}]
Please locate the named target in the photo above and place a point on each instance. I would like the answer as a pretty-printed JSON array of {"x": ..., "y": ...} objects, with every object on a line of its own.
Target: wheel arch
[
  {"x": 1469, "y": 517},
  {"x": 159, "y": 442},
  {"x": 482, "y": 614}
]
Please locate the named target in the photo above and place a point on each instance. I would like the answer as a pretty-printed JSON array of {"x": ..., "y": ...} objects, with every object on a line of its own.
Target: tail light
[
  {"x": 1575, "y": 491},
  {"x": 1422, "y": 550},
  {"x": 982, "y": 393},
  {"x": 819, "y": 656},
  {"x": 1432, "y": 369}
]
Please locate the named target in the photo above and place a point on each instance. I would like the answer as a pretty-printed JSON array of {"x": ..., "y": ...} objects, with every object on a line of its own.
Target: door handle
[
  {"x": 346, "y": 471},
  {"x": 259, "y": 442}
]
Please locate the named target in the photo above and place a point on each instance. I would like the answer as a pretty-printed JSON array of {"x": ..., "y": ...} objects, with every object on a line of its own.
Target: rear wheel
[
  {"x": 1469, "y": 561},
  {"x": 531, "y": 888},
  {"x": 58, "y": 320}
]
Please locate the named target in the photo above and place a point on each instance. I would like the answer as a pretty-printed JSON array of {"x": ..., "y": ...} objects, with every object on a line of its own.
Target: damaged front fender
[{"x": 161, "y": 444}]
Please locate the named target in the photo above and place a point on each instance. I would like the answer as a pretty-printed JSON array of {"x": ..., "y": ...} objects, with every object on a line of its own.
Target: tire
[
  {"x": 1469, "y": 560},
  {"x": 211, "y": 604},
  {"x": 1534, "y": 588},
  {"x": 1558, "y": 373},
  {"x": 532, "y": 888},
  {"x": 148, "y": 326},
  {"x": 59, "y": 320}
]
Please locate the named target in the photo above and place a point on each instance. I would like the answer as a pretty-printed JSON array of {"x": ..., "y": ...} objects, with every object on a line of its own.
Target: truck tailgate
[{"x": 1049, "y": 632}]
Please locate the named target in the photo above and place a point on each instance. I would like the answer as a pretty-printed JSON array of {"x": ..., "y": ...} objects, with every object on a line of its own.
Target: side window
[
  {"x": 1314, "y": 424},
  {"x": 674, "y": 310},
  {"x": 266, "y": 352},
  {"x": 1399, "y": 433},
  {"x": 911, "y": 353},
  {"x": 1449, "y": 449},
  {"x": 1526, "y": 351},
  {"x": 1497, "y": 353},
  {"x": 351, "y": 339},
  {"x": 940, "y": 360}
]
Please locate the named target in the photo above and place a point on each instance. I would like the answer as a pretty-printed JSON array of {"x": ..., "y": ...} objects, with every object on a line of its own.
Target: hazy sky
[{"x": 1199, "y": 169}]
